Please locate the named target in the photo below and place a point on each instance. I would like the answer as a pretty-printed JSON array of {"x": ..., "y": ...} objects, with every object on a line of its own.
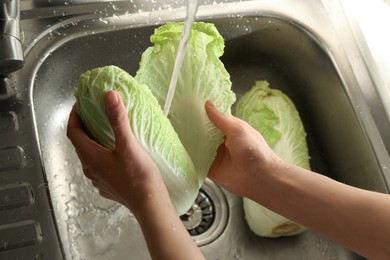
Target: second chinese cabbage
[{"x": 275, "y": 116}]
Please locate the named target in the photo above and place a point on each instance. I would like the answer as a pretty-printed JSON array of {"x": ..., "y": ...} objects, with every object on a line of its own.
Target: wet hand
[
  {"x": 242, "y": 156},
  {"x": 125, "y": 174}
]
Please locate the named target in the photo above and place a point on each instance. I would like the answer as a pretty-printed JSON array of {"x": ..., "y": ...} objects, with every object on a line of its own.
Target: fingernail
[
  {"x": 210, "y": 104},
  {"x": 111, "y": 99}
]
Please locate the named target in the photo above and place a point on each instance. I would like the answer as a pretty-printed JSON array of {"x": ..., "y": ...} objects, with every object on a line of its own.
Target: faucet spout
[{"x": 11, "y": 53}]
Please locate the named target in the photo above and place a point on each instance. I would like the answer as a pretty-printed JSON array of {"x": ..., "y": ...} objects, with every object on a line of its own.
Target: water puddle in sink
[
  {"x": 192, "y": 7},
  {"x": 95, "y": 228}
]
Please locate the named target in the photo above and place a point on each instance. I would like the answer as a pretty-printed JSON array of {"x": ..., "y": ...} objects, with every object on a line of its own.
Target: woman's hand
[
  {"x": 125, "y": 174},
  {"x": 242, "y": 156},
  {"x": 245, "y": 165},
  {"x": 129, "y": 176}
]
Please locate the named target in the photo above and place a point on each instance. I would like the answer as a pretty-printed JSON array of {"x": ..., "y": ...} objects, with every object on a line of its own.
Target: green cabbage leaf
[
  {"x": 275, "y": 116},
  {"x": 151, "y": 128},
  {"x": 202, "y": 77}
]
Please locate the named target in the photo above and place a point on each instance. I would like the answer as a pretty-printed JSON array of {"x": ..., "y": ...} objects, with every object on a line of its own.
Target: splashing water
[{"x": 192, "y": 7}]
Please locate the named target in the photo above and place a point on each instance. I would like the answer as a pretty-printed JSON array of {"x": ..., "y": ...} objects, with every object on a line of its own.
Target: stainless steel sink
[{"x": 302, "y": 55}]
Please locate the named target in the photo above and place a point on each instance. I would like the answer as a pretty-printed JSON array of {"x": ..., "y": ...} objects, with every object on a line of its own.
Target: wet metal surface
[{"x": 57, "y": 206}]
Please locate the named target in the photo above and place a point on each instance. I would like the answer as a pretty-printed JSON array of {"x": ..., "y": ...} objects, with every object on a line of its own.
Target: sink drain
[{"x": 207, "y": 218}]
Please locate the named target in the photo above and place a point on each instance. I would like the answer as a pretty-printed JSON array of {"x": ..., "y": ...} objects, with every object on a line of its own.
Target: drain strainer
[{"x": 207, "y": 218}]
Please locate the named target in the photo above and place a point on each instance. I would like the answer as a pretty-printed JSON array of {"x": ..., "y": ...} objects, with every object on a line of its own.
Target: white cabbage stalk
[
  {"x": 274, "y": 115},
  {"x": 266, "y": 223}
]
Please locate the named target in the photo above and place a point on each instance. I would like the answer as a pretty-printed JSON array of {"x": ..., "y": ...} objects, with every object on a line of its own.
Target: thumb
[
  {"x": 117, "y": 116},
  {"x": 219, "y": 119}
]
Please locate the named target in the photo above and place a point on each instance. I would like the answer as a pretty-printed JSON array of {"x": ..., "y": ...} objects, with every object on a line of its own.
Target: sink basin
[{"x": 264, "y": 41}]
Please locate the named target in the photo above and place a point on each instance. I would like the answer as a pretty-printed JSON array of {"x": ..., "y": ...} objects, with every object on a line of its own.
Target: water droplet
[
  {"x": 6, "y": 244},
  {"x": 173, "y": 226},
  {"x": 103, "y": 20},
  {"x": 116, "y": 17},
  {"x": 115, "y": 7}
]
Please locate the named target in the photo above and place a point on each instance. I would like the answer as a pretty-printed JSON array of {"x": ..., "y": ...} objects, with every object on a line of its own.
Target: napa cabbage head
[
  {"x": 202, "y": 77},
  {"x": 275, "y": 116},
  {"x": 151, "y": 128}
]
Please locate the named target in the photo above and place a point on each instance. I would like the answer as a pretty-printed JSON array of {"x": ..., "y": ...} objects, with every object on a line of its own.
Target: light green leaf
[
  {"x": 151, "y": 128},
  {"x": 202, "y": 77}
]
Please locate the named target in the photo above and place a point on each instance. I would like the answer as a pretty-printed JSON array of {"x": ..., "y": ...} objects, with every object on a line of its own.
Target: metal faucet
[{"x": 11, "y": 54}]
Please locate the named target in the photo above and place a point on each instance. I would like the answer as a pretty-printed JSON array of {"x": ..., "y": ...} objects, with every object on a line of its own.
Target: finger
[
  {"x": 117, "y": 115},
  {"x": 90, "y": 175},
  {"x": 74, "y": 120},
  {"x": 222, "y": 154},
  {"x": 219, "y": 119},
  {"x": 98, "y": 186},
  {"x": 106, "y": 195},
  {"x": 78, "y": 136}
]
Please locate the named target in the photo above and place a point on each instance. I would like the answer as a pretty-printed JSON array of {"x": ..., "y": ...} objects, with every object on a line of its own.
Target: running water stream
[{"x": 192, "y": 7}]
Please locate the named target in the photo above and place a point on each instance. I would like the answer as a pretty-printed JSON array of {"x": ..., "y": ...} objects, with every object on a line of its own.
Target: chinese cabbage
[
  {"x": 202, "y": 77},
  {"x": 275, "y": 116},
  {"x": 151, "y": 128}
]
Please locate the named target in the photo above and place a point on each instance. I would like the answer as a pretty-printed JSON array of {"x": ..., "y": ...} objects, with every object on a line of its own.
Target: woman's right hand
[
  {"x": 247, "y": 166},
  {"x": 242, "y": 156},
  {"x": 125, "y": 173}
]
